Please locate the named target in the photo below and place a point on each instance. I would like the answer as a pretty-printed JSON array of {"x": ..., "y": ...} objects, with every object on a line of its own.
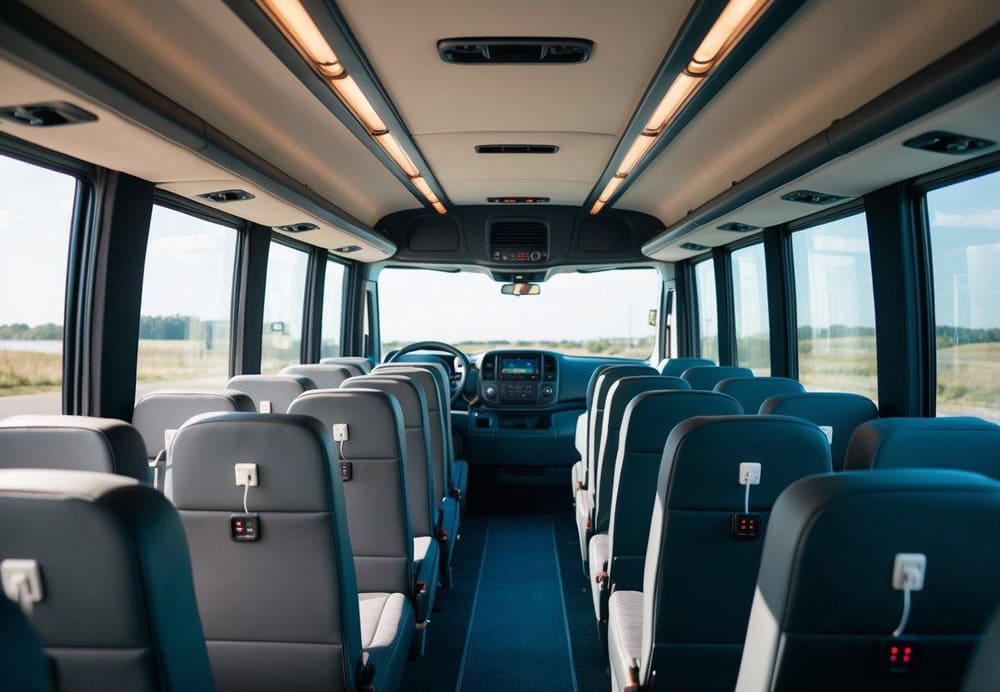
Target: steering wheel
[{"x": 459, "y": 375}]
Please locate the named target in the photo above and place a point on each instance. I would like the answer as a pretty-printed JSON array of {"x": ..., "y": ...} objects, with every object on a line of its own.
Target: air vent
[
  {"x": 516, "y": 51},
  {"x": 226, "y": 196},
  {"x": 519, "y": 241},
  {"x": 810, "y": 197},
  {"x": 516, "y": 148},
  {"x": 694, "y": 247},
  {"x": 47, "y": 114},
  {"x": 549, "y": 369},
  {"x": 298, "y": 227},
  {"x": 517, "y": 200},
  {"x": 347, "y": 249},
  {"x": 490, "y": 368},
  {"x": 737, "y": 227},
  {"x": 942, "y": 142}
]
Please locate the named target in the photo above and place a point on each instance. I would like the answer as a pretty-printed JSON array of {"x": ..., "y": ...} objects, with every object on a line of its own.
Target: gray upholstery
[
  {"x": 968, "y": 444},
  {"x": 983, "y": 674},
  {"x": 699, "y": 579},
  {"x": 118, "y": 609},
  {"x": 323, "y": 375},
  {"x": 840, "y": 412},
  {"x": 358, "y": 364},
  {"x": 675, "y": 367},
  {"x": 579, "y": 474},
  {"x": 646, "y": 424},
  {"x": 625, "y": 638},
  {"x": 278, "y": 390},
  {"x": 386, "y": 619},
  {"x": 824, "y": 597},
  {"x": 106, "y": 445},
  {"x": 704, "y": 378},
  {"x": 281, "y": 612},
  {"x": 751, "y": 392},
  {"x": 22, "y": 662},
  {"x": 168, "y": 409}
]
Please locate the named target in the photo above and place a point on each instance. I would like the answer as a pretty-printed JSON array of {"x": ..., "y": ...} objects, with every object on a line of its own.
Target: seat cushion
[
  {"x": 386, "y": 629},
  {"x": 600, "y": 550},
  {"x": 420, "y": 546},
  {"x": 624, "y": 634}
]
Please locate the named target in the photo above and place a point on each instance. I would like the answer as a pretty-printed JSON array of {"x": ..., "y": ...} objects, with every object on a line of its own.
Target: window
[
  {"x": 835, "y": 307},
  {"x": 583, "y": 313},
  {"x": 333, "y": 309},
  {"x": 187, "y": 293},
  {"x": 753, "y": 344},
  {"x": 708, "y": 328},
  {"x": 36, "y": 216},
  {"x": 284, "y": 304},
  {"x": 965, "y": 249}
]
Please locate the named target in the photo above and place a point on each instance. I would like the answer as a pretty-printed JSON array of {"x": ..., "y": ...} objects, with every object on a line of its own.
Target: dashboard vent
[
  {"x": 549, "y": 369},
  {"x": 490, "y": 368},
  {"x": 519, "y": 235}
]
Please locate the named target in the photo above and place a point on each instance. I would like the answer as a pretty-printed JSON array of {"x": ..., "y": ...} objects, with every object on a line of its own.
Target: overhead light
[
  {"x": 439, "y": 208},
  {"x": 610, "y": 188},
  {"x": 425, "y": 189},
  {"x": 635, "y": 152},
  {"x": 349, "y": 92},
  {"x": 397, "y": 154},
  {"x": 676, "y": 96},
  {"x": 727, "y": 28},
  {"x": 596, "y": 209},
  {"x": 298, "y": 26}
]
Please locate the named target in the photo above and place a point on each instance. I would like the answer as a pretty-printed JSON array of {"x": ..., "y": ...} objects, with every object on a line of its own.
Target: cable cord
[
  {"x": 746, "y": 500},
  {"x": 246, "y": 489},
  {"x": 160, "y": 458},
  {"x": 898, "y": 632}
]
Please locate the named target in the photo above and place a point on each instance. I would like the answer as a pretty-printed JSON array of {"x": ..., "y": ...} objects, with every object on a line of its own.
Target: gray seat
[
  {"x": 22, "y": 661},
  {"x": 271, "y": 393},
  {"x": 578, "y": 472},
  {"x": 389, "y": 555},
  {"x": 81, "y": 443},
  {"x": 675, "y": 367},
  {"x": 967, "y": 444},
  {"x": 618, "y": 557},
  {"x": 358, "y": 365},
  {"x": 705, "y": 377},
  {"x": 825, "y": 608},
  {"x": 983, "y": 674},
  {"x": 281, "y": 612},
  {"x": 323, "y": 375},
  {"x": 698, "y": 582},
  {"x": 836, "y": 413},
  {"x": 584, "y": 497},
  {"x": 117, "y": 608},
  {"x": 751, "y": 392}
]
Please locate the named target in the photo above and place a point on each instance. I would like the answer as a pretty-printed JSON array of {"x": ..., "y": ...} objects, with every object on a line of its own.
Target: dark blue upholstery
[
  {"x": 704, "y": 378},
  {"x": 699, "y": 579},
  {"x": 968, "y": 444},
  {"x": 751, "y": 392},
  {"x": 841, "y": 412},
  {"x": 675, "y": 367},
  {"x": 824, "y": 597},
  {"x": 983, "y": 674},
  {"x": 22, "y": 663}
]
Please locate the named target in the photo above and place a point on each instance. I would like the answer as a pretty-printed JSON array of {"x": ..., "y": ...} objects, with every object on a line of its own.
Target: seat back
[
  {"x": 967, "y": 444},
  {"x": 116, "y": 607},
  {"x": 705, "y": 377},
  {"x": 838, "y": 414},
  {"x": 619, "y": 396},
  {"x": 646, "y": 424},
  {"x": 281, "y": 612},
  {"x": 605, "y": 380},
  {"x": 825, "y": 605},
  {"x": 443, "y": 382},
  {"x": 22, "y": 661},
  {"x": 699, "y": 580},
  {"x": 271, "y": 393},
  {"x": 983, "y": 674},
  {"x": 105, "y": 445},
  {"x": 420, "y": 490},
  {"x": 378, "y": 513},
  {"x": 167, "y": 410},
  {"x": 359, "y": 365},
  {"x": 323, "y": 375},
  {"x": 675, "y": 367},
  {"x": 751, "y": 392}
]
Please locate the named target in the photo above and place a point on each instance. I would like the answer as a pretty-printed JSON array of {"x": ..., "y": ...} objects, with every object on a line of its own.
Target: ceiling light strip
[
  {"x": 734, "y": 21},
  {"x": 299, "y": 28}
]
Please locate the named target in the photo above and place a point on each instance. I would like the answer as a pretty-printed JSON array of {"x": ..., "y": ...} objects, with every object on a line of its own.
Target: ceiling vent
[
  {"x": 515, "y": 51},
  {"x": 226, "y": 196},
  {"x": 810, "y": 197},
  {"x": 47, "y": 114},
  {"x": 516, "y": 148},
  {"x": 695, "y": 247},
  {"x": 737, "y": 227},
  {"x": 519, "y": 241},
  {"x": 298, "y": 227},
  {"x": 941, "y": 142},
  {"x": 517, "y": 200}
]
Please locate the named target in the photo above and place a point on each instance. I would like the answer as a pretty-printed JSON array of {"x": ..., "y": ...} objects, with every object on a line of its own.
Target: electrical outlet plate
[
  {"x": 21, "y": 572},
  {"x": 244, "y": 471},
  {"x": 265, "y": 406},
  {"x": 340, "y": 432},
  {"x": 749, "y": 473},
  {"x": 909, "y": 561}
]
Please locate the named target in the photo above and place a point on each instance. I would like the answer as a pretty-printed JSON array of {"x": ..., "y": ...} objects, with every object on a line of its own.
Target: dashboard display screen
[{"x": 513, "y": 368}]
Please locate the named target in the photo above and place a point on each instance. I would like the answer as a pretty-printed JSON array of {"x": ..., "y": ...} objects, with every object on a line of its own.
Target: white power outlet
[
  {"x": 246, "y": 474},
  {"x": 340, "y": 432},
  {"x": 749, "y": 473},
  {"x": 908, "y": 571}
]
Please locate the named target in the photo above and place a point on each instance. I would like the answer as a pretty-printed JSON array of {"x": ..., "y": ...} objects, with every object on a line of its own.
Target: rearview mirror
[{"x": 520, "y": 289}]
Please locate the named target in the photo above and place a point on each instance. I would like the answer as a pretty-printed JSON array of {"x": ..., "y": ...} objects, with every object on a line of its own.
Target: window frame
[
  {"x": 310, "y": 301},
  {"x": 325, "y": 257},
  {"x": 694, "y": 329},
  {"x": 750, "y": 240}
]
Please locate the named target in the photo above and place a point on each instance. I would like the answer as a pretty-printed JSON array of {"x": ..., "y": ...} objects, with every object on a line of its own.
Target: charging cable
[{"x": 911, "y": 576}]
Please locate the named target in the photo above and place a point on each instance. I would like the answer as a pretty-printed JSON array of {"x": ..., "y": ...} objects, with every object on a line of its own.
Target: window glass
[
  {"x": 965, "y": 249},
  {"x": 753, "y": 345},
  {"x": 835, "y": 307},
  {"x": 708, "y": 327},
  {"x": 284, "y": 304},
  {"x": 187, "y": 293},
  {"x": 333, "y": 309},
  {"x": 36, "y": 215}
]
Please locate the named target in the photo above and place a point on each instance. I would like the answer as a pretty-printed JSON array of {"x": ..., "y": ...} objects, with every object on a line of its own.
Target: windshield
[{"x": 599, "y": 313}]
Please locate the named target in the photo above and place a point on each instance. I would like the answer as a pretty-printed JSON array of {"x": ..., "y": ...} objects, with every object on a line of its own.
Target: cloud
[{"x": 971, "y": 218}]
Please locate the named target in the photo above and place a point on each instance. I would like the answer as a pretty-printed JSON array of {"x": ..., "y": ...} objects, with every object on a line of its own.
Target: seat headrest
[
  {"x": 752, "y": 392},
  {"x": 592, "y": 382},
  {"x": 650, "y": 416},
  {"x": 614, "y": 373},
  {"x": 61, "y": 483},
  {"x": 424, "y": 379},
  {"x": 706, "y": 377},
  {"x": 968, "y": 444},
  {"x": 627, "y": 388},
  {"x": 374, "y": 419},
  {"x": 407, "y": 393},
  {"x": 362, "y": 364},
  {"x": 278, "y": 390},
  {"x": 165, "y": 410},
  {"x": 294, "y": 456},
  {"x": 438, "y": 370},
  {"x": 105, "y": 445},
  {"x": 675, "y": 367},
  {"x": 703, "y": 454},
  {"x": 322, "y": 375}
]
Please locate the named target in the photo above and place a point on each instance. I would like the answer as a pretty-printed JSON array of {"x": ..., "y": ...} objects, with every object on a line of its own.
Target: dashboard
[{"x": 523, "y": 378}]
